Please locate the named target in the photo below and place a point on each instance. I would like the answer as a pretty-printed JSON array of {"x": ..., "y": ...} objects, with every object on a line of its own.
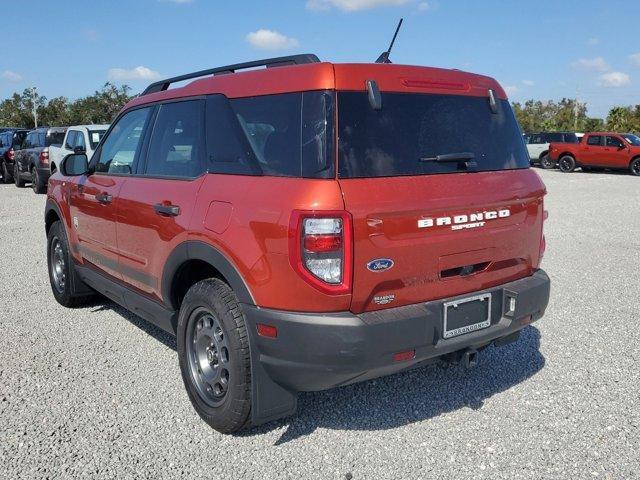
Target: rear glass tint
[
  {"x": 54, "y": 138},
  {"x": 410, "y": 127}
]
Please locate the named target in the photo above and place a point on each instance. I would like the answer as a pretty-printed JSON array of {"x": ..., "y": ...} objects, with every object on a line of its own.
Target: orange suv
[{"x": 306, "y": 225}]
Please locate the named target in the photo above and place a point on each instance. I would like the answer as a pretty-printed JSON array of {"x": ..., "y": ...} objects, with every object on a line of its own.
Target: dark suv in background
[
  {"x": 32, "y": 160},
  {"x": 10, "y": 141}
]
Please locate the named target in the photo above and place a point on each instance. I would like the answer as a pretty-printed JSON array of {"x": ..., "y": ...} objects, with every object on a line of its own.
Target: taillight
[
  {"x": 44, "y": 156},
  {"x": 320, "y": 249},
  {"x": 11, "y": 154}
]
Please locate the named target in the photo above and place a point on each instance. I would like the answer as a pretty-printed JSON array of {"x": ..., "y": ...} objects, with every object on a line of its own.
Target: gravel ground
[{"x": 97, "y": 392}]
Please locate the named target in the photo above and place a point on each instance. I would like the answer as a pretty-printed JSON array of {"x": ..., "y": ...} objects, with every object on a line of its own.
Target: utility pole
[
  {"x": 575, "y": 109},
  {"x": 34, "y": 106}
]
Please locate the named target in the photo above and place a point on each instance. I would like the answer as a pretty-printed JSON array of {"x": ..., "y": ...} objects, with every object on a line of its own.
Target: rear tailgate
[{"x": 445, "y": 235}]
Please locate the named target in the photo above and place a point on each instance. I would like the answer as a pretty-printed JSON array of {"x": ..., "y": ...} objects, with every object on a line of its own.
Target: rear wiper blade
[{"x": 451, "y": 157}]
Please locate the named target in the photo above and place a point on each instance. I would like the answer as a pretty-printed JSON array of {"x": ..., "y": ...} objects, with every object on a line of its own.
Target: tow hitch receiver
[{"x": 469, "y": 358}]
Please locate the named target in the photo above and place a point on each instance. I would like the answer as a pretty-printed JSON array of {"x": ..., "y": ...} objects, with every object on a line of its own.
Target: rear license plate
[{"x": 467, "y": 315}]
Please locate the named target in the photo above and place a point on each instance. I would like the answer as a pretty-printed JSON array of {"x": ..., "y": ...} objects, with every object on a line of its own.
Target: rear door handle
[
  {"x": 104, "y": 198},
  {"x": 167, "y": 210}
]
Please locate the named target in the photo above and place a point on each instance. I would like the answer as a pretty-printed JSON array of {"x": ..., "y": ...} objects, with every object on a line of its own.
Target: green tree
[
  {"x": 101, "y": 107},
  {"x": 593, "y": 125},
  {"x": 624, "y": 119}
]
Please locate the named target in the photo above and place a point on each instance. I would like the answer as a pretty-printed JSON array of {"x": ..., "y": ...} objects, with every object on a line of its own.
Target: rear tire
[
  {"x": 213, "y": 352},
  {"x": 546, "y": 162},
  {"x": 567, "y": 164},
  {"x": 68, "y": 289},
  {"x": 36, "y": 181},
  {"x": 634, "y": 167},
  {"x": 16, "y": 176}
]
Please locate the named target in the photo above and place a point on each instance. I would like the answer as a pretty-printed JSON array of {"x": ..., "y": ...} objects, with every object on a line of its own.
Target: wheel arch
[
  {"x": 545, "y": 152},
  {"x": 192, "y": 261},
  {"x": 51, "y": 214},
  {"x": 633, "y": 159}
]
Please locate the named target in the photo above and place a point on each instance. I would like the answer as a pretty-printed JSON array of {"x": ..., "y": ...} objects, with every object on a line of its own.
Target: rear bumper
[{"x": 315, "y": 351}]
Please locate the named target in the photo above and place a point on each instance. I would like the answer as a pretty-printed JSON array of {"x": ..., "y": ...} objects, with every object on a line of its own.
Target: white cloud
[
  {"x": 11, "y": 76},
  {"x": 597, "y": 64},
  {"x": 635, "y": 58},
  {"x": 528, "y": 83},
  {"x": 593, "y": 41},
  {"x": 355, "y": 5},
  {"x": 511, "y": 89},
  {"x": 138, "y": 73},
  {"x": 424, "y": 6},
  {"x": 615, "y": 79},
  {"x": 271, "y": 40}
]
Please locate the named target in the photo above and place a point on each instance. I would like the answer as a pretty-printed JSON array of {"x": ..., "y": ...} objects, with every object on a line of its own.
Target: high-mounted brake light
[{"x": 320, "y": 249}]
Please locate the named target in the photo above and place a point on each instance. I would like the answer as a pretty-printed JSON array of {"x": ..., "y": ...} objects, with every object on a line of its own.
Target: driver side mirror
[
  {"x": 79, "y": 150},
  {"x": 74, "y": 165},
  {"x": 621, "y": 146}
]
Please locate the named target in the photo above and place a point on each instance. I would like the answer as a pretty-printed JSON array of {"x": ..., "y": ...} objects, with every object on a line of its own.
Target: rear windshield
[
  {"x": 95, "y": 136},
  {"x": 18, "y": 138},
  {"x": 411, "y": 130},
  {"x": 54, "y": 138}
]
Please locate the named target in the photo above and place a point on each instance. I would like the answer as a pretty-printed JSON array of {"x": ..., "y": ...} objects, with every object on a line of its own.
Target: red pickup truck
[{"x": 599, "y": 150}]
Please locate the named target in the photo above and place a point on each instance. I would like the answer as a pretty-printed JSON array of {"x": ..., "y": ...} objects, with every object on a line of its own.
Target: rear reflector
[
  {"x": 322, "y": 243},
  {"x": 404, "y": 356},
  {"x": 267, "y": 330}
]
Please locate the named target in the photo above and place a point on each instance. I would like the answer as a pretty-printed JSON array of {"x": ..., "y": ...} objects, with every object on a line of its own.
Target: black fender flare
[
  {"x": 197, "y": 250},
  {"x": 52, "y": 206}
]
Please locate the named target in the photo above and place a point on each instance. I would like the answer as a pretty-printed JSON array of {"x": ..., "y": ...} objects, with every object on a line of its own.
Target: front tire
[
  {"x": 213, "y": 352},
  {"x": 567, "y": 164},
  {"x": 634, "y": 167},
  {"x": 546, "y": 162},
  {"x": 68, "y": 289},
  {"x": 6, "y": 176}
]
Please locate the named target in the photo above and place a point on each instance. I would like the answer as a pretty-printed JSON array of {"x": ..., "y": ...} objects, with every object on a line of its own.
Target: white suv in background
[
  {"x": 79, "y": 139},
  {"x": 538, "y": 146}
]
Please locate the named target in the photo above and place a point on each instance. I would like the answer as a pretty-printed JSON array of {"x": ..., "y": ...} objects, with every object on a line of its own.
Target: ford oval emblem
[{"x": 380, "y": 264}]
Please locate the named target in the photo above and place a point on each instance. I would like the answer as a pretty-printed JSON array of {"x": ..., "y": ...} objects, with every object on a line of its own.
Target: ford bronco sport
[{"x": 306, "y": 226}]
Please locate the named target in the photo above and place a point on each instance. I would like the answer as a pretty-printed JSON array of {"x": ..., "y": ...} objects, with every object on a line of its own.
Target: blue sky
[{"x": 536, "y": 49}]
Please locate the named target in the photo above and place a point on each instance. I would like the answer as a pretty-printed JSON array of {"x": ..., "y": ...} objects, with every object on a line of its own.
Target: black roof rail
[{"x": 163, "y": 85}]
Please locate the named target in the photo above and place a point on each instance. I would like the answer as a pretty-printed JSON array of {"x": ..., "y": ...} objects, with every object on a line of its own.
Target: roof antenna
[{"x": 384, "y": 57}]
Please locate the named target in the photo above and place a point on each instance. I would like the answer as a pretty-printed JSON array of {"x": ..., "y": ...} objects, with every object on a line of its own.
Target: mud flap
[{"x": 269, "y": 400}]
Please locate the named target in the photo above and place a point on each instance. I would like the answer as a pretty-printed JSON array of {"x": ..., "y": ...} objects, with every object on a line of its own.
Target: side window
[
  {"x": 42, "y": 139},
  {"x": 79, "y": 140},
  {"x": 614, "y": 142},
  {"x": 122, "y": 147},
  {"x": 28, "y": 143},
  {"x": 71, "y": 140},
  {"x": 2, "y": 140},
  {"x": 176, "y": 146},
  {"x": 272, "y": 126},
  {"x": 228, "y": 148},
  {"x": 593, "y": 140},
  {"x": 554, "y": 137},
  {"x": 290, "y": 134},
  {"x": 537, "y": 139}
]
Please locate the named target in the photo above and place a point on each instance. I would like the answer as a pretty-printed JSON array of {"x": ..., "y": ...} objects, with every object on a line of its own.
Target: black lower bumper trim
[{"x": 315, "y": 351}]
